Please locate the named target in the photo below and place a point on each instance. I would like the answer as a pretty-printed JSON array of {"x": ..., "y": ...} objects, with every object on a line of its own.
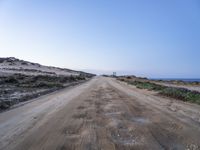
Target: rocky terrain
[{"x": 22, "y": 80}]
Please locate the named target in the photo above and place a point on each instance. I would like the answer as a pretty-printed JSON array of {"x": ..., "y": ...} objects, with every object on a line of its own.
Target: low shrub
[
  {"x": 182, "y": 94},
  {"x": 173, "y": 92},
  {"x": 44, "y": 84},
  {"x": 11, "y": 80},
  {"x": 147, "y": 85}
]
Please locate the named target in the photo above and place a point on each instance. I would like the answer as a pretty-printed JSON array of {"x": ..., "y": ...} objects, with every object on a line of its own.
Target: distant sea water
[{"x": 179, "y": 79}]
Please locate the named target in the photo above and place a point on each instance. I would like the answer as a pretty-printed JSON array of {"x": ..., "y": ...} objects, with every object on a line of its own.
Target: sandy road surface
[{"x": 101, "y": 114}]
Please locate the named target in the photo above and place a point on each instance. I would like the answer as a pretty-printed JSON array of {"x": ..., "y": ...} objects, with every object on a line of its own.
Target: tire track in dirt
[{"x": 106, "y": 118}]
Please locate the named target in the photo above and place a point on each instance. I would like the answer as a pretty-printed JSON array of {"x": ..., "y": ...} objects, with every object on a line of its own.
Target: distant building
[{"x": 114, "y": 74}]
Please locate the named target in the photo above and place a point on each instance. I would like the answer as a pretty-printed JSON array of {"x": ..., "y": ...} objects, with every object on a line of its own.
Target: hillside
[
  {"x": 11, "y": 65},
  {"x": 21, "y": 80}
]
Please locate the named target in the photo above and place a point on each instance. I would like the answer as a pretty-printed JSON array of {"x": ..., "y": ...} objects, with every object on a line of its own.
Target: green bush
[
  {"x": 173, "y": 92},
  {"x": 182, "y": 94},
  {"x": 147, "y": 85}
]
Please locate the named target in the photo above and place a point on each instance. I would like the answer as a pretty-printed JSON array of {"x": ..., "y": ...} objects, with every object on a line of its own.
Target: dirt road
[{"x": 101, "y": 114}]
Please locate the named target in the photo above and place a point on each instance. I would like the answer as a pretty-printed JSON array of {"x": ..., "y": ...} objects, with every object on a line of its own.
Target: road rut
[{"x": 102, "y": 114}]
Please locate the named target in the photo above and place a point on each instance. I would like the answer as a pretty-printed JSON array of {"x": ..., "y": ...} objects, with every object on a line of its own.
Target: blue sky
[{"x": 153, "y": 38}]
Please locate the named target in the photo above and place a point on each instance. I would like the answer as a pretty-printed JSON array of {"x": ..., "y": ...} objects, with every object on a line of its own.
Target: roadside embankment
[{"x": 179, "y": 93}]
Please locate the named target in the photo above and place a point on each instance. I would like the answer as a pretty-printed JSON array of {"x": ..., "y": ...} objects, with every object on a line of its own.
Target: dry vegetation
[
  {"x": 173, "y": 92},
  {"x": 19, "y": 88},
  {"x": 22, "y": 80}
]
